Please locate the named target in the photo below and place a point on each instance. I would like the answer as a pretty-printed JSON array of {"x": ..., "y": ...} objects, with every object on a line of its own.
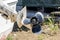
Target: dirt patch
[{"x": 22, "y": 34}]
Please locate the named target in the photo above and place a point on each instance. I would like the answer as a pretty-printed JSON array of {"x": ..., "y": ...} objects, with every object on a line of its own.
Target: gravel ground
[
  {"x": 28, "y": 35},
  {"x": 24, "y": 33}
]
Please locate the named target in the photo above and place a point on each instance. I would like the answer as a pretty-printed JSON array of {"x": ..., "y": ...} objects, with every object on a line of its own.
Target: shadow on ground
[{"x": 16, "y": 28}]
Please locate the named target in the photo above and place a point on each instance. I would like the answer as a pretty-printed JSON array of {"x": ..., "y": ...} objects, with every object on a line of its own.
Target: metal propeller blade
[{"x": 36, "y": 28}]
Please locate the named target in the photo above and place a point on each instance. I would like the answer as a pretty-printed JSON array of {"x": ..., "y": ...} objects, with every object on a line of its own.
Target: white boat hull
[{"x": 6, "y": 27}]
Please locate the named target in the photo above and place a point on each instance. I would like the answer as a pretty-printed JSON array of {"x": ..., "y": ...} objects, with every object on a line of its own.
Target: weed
[
  {"x": 41, "y": 37},
  {"x": 9, "y": 38}
]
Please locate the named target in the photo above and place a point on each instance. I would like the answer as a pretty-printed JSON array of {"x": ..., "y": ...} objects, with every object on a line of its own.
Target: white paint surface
[
  {"x": 12, "y": 7},
  {"x": 6, "y": 26}
]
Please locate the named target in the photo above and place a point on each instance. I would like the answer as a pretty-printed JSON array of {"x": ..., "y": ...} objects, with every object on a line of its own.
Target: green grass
[
  {"x": 41, "y": 37},
  {"x": 9, "y": 38},
  {"x": 51, "y": 23}
]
